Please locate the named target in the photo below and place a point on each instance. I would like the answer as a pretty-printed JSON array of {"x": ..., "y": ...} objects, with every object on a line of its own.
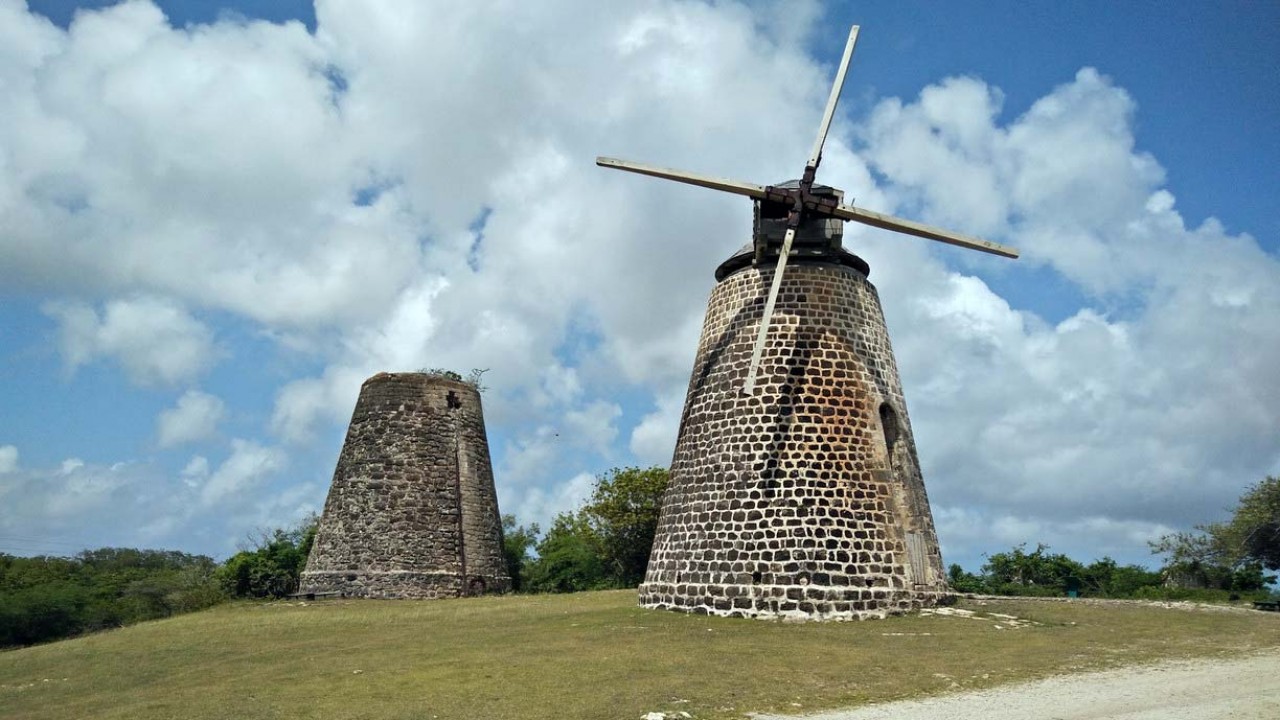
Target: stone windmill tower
[
  {"x": 795, "y": 489},
  {"x": 412, "y": 511}
]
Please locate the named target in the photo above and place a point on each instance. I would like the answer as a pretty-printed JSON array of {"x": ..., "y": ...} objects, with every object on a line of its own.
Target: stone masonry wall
[
  {"x": 804, "y": 500},
  {"x": 412, "y": 511}
]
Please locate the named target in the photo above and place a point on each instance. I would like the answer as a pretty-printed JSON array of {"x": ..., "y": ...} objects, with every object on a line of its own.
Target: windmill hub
[
  {"x": 816, "y": 233},
  {"x": 817, "y": 237}
]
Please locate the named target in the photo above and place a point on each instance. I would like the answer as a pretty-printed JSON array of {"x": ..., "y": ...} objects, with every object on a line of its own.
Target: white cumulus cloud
[
  {"x": 195, "y": 417},
  {"x": 247, "y": 466},
  {"x": 359, "y": 215},
  {"x": 8, "y": 459},
  {"x": 653, "y": 440},
  {"x": 1149, "y": 407},
  {"x": 155, "y": 340}
]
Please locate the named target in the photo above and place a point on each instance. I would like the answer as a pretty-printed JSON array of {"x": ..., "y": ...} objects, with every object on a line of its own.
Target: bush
[
  {"x": 272, "y": 569},
  {"x": 568, "y": 559},
  {"x": 42, "y": 613}
]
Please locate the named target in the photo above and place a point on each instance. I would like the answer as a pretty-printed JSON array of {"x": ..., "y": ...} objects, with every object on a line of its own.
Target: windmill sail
[
  {"x": 706, "y": 181},
  {"x": 815, "y": 157},
  {"x": 797, "y": 212},
  {"x": 910, "y": 227}
]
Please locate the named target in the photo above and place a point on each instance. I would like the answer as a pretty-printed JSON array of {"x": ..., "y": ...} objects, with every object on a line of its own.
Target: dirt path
[{"x": 1240, "y": 689}]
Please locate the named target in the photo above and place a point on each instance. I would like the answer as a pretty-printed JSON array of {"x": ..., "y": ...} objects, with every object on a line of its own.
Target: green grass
[{"x": 589, "y": 655}]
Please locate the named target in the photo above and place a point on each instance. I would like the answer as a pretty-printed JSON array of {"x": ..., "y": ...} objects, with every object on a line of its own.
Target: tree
[
  {"x": 605, "y": 543},
  {"x": 1254, "y": 530},
  {"x": 1019, "y": 572},
  {"x": 517, "y": 541},
  {"x": 1039, "y": 573},
  {"x": 568, "y": 558},
  {"x": 965, "y": 582},
  {"x": 41, "y": 613},
  {"x": 272, "y": 568},
  {"x": 1230, "y": 555},
  {"x": 623, "y": 517},
  {"x": 1104, "y": 578}
]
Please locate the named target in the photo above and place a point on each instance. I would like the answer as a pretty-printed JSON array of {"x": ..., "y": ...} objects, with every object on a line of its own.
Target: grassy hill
[{"x": 589, "y": 655}]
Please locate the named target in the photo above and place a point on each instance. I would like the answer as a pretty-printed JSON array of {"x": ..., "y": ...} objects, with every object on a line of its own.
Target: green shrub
[{"x": 272, "y": 569}]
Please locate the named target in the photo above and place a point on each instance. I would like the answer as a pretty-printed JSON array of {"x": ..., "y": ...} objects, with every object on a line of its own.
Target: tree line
[
  {"x": 46, "y": 598},
  {"x": 604, "y": 543},
  {"x": 1039, "y": 573},
  {"x": 1219, "y": 561}
]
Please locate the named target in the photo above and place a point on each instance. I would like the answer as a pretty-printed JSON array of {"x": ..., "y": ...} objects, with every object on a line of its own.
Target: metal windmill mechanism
[{"x": 803, "y": 202}]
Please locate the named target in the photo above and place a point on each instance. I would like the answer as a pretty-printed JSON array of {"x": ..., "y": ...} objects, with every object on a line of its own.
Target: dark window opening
[{"x": 889, "y": 423}]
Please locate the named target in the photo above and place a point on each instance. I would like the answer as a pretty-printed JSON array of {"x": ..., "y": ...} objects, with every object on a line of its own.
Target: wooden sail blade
[
  {"x": 815, "y": 157},
  {"x": 749, "y": 386},
  {"x": 730, "y": 186},
  {"x": 889, "y": 222}
]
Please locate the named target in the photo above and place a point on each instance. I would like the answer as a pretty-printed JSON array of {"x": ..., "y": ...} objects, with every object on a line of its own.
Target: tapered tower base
[
  {"x": 412, "y": 512},
  {"x": 804, "y": 500}
]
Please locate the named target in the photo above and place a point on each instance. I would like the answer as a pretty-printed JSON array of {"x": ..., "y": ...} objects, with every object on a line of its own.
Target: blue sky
[{"x": 216, "y": 222}]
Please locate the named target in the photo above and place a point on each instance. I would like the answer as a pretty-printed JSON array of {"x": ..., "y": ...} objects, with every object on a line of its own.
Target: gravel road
[{"x": 1246, "y": 688}]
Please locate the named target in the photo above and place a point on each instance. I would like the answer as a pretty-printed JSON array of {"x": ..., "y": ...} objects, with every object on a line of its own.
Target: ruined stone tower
[
  {"x": 412, "y": 511},
  {"x": 804, "y": 499}
]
